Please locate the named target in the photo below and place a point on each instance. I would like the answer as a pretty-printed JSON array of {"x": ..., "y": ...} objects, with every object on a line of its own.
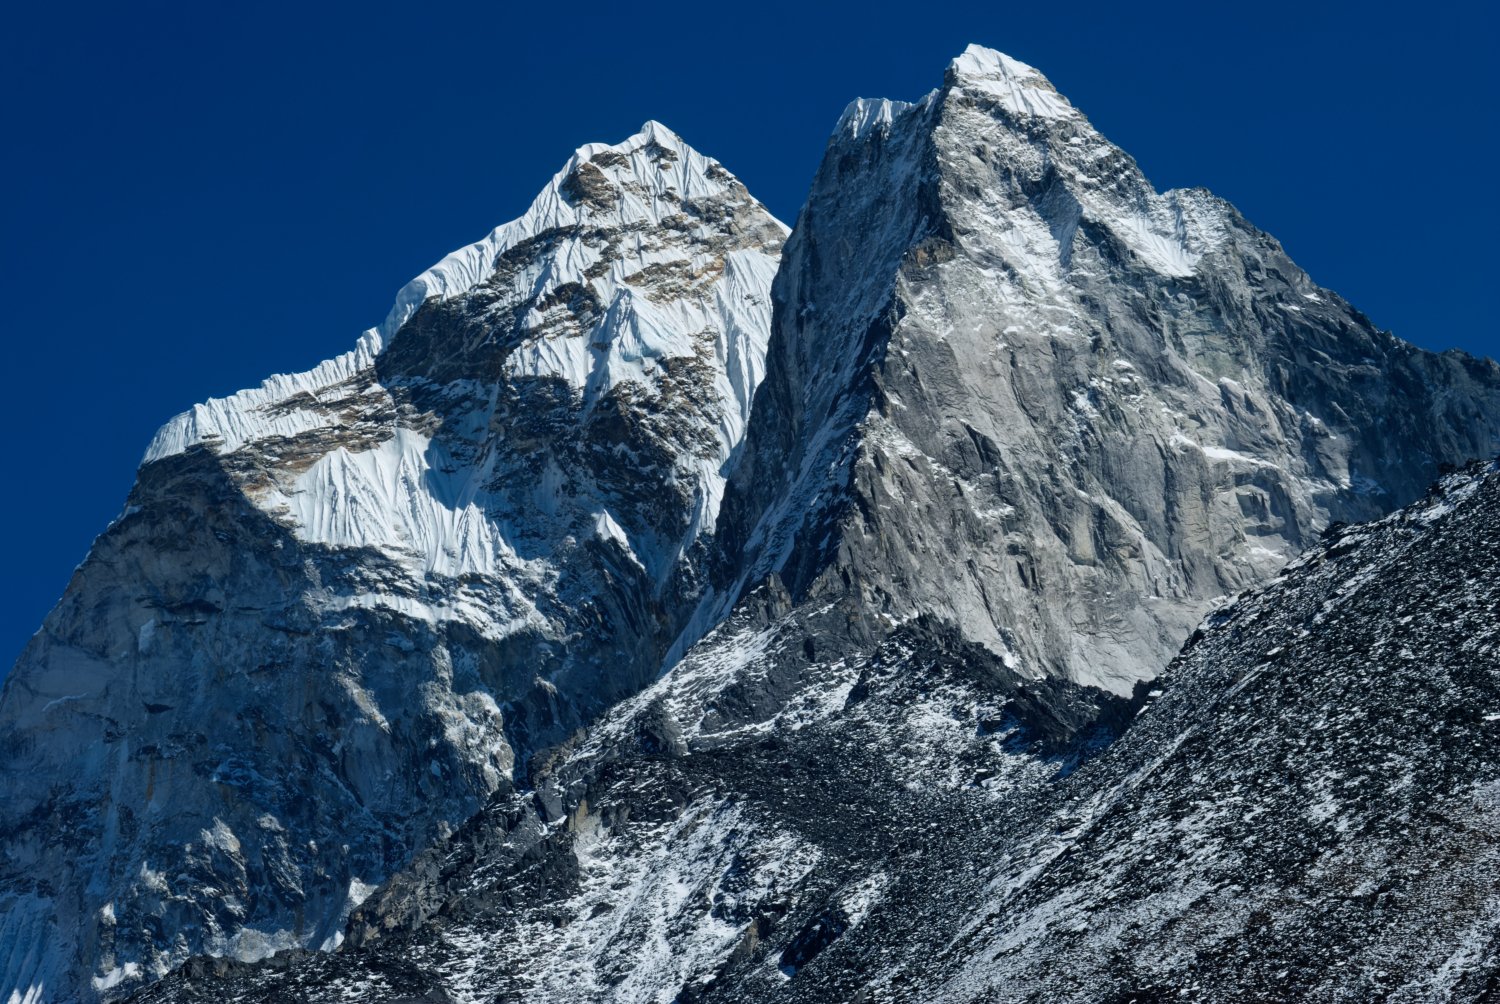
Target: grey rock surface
[
  {"x": 1012, "y": 385},
  {"x": 1306, "y": 810}
]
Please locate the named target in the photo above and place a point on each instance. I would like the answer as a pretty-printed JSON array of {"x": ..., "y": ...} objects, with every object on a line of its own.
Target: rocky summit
[{"x": 659, "y": 606}]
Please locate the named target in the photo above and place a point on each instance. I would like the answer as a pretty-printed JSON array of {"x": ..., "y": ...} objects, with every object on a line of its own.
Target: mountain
[
  {"x": 341, "y": 610},
  {"x": 710, "y": 696}
]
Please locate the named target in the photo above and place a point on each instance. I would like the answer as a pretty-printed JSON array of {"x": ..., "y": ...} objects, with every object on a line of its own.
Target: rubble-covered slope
[
  {"x": 1302, "y": 809},
  {"x": 717, "y": 835},
  {"x": 340, "y": 608},
  {"x": 1308, "y": 809}
]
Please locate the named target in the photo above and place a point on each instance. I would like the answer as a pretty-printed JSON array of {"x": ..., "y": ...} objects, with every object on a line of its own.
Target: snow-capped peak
[
  {"x": 650, "y": 164},
  {"x": 642, "y": 180},
  {"x": 527, "y": 454},
  {"x": 1019, "y": 88},
  {"x": 865, "y": 114}
]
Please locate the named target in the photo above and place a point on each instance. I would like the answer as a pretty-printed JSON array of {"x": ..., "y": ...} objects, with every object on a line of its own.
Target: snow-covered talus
[
  {"x": 343, "y": 609},
  {"x": 1307, "y": 810},
  {"x": 703, "y": 846},
  {"x": 1303, "y": 807},
  {"x": 1012, "y": 385}
]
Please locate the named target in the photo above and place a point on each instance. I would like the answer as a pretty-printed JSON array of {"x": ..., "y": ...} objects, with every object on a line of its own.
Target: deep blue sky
[{"x": 198, "y": 195}]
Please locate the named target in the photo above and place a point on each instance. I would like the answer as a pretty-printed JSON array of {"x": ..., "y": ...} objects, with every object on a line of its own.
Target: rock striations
[{"x": 516, "y": 656}]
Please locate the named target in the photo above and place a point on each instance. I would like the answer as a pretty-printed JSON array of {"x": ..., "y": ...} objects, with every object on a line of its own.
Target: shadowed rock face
[
  {"x": 1023, "y": 418},
  {"x": 343, "y": 610},
  {"x": 187, "y": 786}
]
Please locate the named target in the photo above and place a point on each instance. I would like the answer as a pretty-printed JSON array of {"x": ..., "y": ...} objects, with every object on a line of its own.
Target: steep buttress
[{"x": 1011, "y": 385}]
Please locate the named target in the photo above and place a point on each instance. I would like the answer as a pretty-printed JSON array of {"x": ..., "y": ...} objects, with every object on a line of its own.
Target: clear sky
[{"x": 200, "y": 194}]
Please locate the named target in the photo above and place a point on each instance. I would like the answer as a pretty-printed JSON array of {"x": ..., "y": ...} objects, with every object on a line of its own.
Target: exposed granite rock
[{"x": 1011, "y": 385}]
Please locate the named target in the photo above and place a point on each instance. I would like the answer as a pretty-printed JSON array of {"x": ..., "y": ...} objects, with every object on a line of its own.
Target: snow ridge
[
  {"x": 1019, "y": 88},
  {"x": 655, "y": 153},
  {"x": 865, "y": 115},
  {"x": 392, "y": 496}
]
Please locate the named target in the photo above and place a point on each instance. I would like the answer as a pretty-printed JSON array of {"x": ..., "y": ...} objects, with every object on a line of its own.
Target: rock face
[
  {"x": 342, "y": 610},
  {"x": 1012, "y": 385},
  {"x": 720, "y": 854},
  {"x": 1022, "y": 419}
]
